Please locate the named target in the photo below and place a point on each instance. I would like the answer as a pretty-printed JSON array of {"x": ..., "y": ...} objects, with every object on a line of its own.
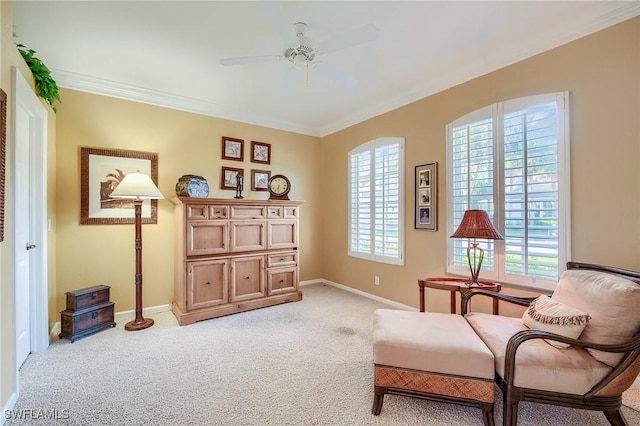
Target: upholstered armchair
[{"x": 578, "y": 348}]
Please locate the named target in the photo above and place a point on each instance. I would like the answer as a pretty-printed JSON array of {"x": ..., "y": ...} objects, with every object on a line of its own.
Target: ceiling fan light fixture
[{"x": 300, "y": 62}]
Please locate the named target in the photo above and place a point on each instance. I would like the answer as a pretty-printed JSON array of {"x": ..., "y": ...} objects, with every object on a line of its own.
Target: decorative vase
[{"x": 192, "y": 186}]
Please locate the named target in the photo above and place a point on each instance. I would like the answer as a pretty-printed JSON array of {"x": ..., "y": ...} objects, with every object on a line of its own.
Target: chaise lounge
[{"x": 579, "y": 348}]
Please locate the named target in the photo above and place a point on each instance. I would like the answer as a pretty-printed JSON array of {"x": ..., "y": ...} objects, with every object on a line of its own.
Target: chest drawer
[
  {"x": 87, "y": 297},
  {"x": 282, "y": 259},
  {"x": 79, "y": 324}
]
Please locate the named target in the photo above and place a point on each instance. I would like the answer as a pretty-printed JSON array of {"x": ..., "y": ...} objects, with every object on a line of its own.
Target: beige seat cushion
[
  {"x": 538, "y": 364},
  {"x": 439, "y": 343},
  {"x": 612, "y": 303}
]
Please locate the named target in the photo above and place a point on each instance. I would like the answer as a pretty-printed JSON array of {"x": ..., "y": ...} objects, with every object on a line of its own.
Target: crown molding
[
  {"x": 492, "y": 62},
  {"x": 98, "y": 86}
]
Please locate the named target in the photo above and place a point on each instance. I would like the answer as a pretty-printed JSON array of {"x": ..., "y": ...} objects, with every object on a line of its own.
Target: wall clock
[{"x": 279, "y": 187}]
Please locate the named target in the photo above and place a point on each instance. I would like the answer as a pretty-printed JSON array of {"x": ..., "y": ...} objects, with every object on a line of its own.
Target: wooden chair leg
[
  {"x": 615, "y": 417},
  {"x": 509, "y": 411},
  {"x": 378, "y": 399},
  {"x": 487, "y": 415}
]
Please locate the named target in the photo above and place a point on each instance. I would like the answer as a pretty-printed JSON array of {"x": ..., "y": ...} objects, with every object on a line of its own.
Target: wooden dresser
[
  {"x": 233, "y": 256},
  {"x": 88, "y": 311}
]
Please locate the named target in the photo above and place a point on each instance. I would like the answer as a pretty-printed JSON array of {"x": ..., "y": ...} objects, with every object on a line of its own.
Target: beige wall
[
  {"x": 601, "y": 72},
  {"x": 10, "y": 58},
  {"x": 186, "y": 143}
]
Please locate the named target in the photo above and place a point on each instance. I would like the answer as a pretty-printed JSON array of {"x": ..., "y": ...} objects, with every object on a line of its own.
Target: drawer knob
[
  {"x": 208, "y": 283},
  {"x": 281, "y": 259},
  {"x": 281, "y": 281},
  {"x": 247, "y": 278},
  {"x": 94, "y": 315},
  {"x": 94, "y": 295}
]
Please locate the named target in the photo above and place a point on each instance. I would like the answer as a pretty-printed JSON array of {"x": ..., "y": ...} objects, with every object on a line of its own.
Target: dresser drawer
[
  {"x": 282, "y": 259},
  {"x": 87, "y": 297},
  {"x": 248, "y": 212},
  {"x": 79, "y": 324}
]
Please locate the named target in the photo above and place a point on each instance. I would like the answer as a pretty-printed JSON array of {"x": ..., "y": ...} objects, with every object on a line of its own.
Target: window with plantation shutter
[
  {"x": 376, "y": 195},
  {"x": 511, "y": 159}
]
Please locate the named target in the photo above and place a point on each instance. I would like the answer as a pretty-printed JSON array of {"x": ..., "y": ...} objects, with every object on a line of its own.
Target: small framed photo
[
  {"x": 260, "y": 180},
  {"x": 424, "y": 178},
  {"x": 232, "y": 149},
  {"x": 260, "y": 152},
  {"x": 228, "y": 180},
  {"x": 426, "y": 197},
  {"x": 425, "y": 215}
]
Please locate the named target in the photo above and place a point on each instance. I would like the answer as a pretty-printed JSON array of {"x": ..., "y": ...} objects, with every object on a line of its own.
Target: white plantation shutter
[
  {"x": 511, "y": 159},
  {"x": 473, "y": 179},
  {"x": 531, "y": 191},
  {"x": 376, "y": 228},
  {"x": 360, "y": 200}
]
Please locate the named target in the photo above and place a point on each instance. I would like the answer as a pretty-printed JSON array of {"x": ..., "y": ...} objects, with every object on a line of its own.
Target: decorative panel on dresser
[{"x": 233, "y": 256}]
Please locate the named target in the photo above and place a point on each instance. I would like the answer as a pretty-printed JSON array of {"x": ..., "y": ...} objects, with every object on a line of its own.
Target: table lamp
[
  {"x": 137, "y": 186},
  {"x": 476, "y": 224}
]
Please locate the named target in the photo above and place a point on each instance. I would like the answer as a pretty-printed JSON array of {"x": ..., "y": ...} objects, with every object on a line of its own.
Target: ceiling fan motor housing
[{"x": 305, "y": 46}]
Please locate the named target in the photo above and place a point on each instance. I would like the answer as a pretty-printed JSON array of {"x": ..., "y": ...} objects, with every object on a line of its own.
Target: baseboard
[
  {"x": 360, "y": 293},
  {"x": 124, "y": 316},
  {"x": 11, "y": 402},
  {"x": 119, "y": 317}
]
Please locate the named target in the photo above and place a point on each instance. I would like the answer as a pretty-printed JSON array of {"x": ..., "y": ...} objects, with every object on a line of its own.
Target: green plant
[{"x": 46, "y": 86}]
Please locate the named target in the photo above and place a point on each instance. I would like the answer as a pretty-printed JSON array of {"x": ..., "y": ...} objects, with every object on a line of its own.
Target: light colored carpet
[{"x": 303, "y": 363}]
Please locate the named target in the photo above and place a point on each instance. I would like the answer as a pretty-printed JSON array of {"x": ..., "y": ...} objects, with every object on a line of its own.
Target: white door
[
  {"x": 30, "y": 221},
  {"x": 22, "y": 237}
]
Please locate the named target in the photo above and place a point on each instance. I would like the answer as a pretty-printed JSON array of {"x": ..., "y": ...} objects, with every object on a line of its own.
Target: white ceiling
[{"x": 167, "y": 52}]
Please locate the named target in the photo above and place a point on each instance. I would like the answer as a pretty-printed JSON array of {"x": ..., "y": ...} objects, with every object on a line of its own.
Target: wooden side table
[{"x": 454, "y": 285}]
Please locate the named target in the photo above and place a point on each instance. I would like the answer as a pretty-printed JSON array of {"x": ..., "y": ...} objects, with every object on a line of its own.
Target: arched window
[
  {"x": 512, "y": 160},
  {"x": 376, "y": 200}
]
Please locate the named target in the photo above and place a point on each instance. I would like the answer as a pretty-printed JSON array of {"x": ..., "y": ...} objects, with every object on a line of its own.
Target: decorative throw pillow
[
  {"x": 550, "y": 315},
  {"x": 612, "y": 303}
]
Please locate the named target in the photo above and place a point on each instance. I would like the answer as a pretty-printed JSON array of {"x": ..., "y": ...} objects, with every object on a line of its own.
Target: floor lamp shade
[
  {"x": 476, "y": 224},
  {"x": 138, "y": 186}
]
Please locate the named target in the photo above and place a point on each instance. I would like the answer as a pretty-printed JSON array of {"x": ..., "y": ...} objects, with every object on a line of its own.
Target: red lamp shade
[{"x": 476, "y": 224}]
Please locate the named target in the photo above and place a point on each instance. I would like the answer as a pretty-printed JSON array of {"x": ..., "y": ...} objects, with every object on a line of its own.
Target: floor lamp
[
  {"x": 476, "y": 224},
  {"x": 137, "y": 186}
]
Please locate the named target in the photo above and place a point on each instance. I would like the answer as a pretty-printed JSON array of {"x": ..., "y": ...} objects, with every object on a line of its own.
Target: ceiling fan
[{"x": 303, "y": 53}]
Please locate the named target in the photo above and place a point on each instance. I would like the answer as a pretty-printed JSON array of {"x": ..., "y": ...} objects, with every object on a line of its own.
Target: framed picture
[
  {"x": 426, "y": 197},
  {"x": 232, "y": 149},
  {"x": 260, "y": 152},
  {"x": 228, "y": 179},
  {"x": 101, "y": 170},
  {"x": 3, "y": 154},
  {"x": 260, "y": 180}
]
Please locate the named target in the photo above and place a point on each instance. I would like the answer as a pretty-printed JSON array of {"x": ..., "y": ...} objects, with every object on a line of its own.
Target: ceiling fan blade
[
  {"x": 251, "y": 60},
  {"x": 336, "y": 75},
  {"x": 287, "y": 81},
  {"x": 350, "y": 38},
  {"x": 276, "y": 16}
]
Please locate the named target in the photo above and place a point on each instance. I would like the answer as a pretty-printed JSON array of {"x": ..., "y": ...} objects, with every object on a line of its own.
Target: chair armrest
[
  {"x": 466, "y": 297},
  {"x": 631, "y": 348}
]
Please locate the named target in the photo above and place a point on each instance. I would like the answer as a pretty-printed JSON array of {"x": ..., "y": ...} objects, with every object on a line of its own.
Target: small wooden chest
[{"x": 88, "y": 311}]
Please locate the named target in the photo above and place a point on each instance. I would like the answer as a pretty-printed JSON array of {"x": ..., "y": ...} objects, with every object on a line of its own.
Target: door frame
[{"x": 24, "y": 97}]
